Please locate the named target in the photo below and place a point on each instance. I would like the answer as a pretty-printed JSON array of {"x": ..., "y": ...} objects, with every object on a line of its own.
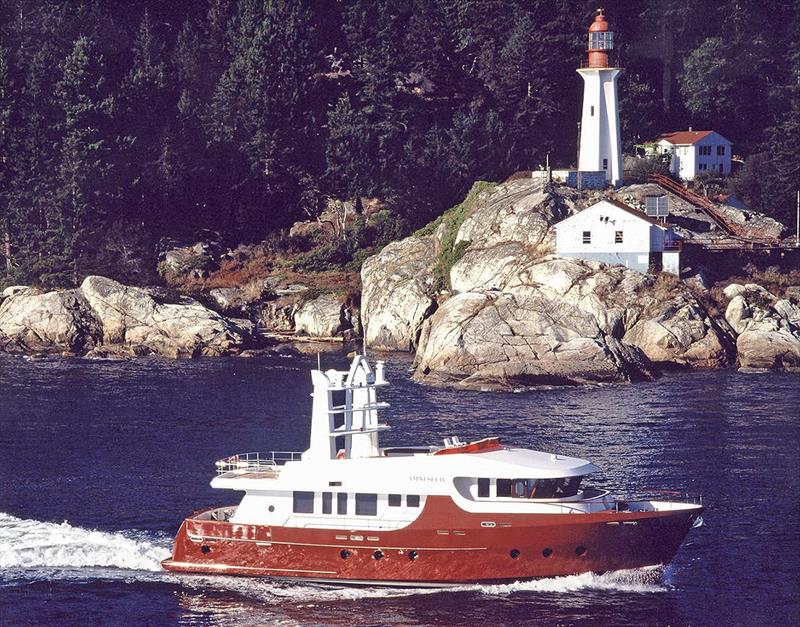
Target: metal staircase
[{"x": 703, "y": 203}]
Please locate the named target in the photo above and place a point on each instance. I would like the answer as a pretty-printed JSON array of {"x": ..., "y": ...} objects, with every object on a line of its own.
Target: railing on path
[{"x": 710, "y": 209}]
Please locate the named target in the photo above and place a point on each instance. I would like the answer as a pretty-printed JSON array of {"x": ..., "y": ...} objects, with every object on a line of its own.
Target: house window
[
  {"x": 617, "y": 237},
  {"x": 327, "y": 502},
  {"x": 483, "y": 488},
  {"x": 705, "y": 150},
  {"x": 720, "y": 151},
  {"x": 395, "y": 500},
  {"x": 702, "y": 166},
  {"x": 605, "y": 164},
  {"x": 366, "y": 504},
  {"x": 591, "y": 110},
  {"x": 303, "y": 502},
  {"x": 341, "y": 503},
  {"x": 587, "y": 237},
  {"x": 412, "y": 500}
]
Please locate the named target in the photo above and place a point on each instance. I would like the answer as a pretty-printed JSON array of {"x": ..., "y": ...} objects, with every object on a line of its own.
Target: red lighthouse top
[{"x": 601, "y": 40}]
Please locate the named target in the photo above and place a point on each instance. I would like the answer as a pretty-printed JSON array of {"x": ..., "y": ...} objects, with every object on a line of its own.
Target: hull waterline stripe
[
  {"x": 195, "y": 565},
  {"x": 194, "y": 538}
]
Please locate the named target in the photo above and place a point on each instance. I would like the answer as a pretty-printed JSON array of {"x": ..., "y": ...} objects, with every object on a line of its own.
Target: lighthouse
[{"x": 600, "y": 148}]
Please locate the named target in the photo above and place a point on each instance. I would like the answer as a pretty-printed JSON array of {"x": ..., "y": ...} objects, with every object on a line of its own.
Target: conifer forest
[{"x": 123, "y": 122}]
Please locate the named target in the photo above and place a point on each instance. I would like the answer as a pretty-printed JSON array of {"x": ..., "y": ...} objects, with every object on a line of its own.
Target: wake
[{"x": 32, "y": 544}]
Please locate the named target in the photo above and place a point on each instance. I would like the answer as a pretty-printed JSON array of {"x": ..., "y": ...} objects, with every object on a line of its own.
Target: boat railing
[
  {"x": 268, "y": 463},
  {"x": 665, "y": 499}
]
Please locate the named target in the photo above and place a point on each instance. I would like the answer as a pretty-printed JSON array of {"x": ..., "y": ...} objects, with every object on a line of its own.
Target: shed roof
[{"x": 686, "y": 138}]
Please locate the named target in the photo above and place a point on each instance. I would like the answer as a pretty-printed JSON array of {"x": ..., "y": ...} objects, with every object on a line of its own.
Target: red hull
[{"x": 450, "y": 546}]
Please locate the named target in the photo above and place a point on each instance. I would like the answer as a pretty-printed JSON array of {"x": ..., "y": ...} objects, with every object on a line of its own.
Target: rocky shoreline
[{"x": 479, "y": 297}]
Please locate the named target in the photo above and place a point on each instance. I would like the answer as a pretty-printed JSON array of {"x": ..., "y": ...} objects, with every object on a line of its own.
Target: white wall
[
  {"x": 600, "y": 138},
  {"x": 686, "y": 160},
  {"x": 637, "y": 235}
]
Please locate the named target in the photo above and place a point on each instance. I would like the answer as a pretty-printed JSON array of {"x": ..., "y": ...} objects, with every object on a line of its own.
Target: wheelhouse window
[
  {"x": 395, "y": 500},
  {"x": 327, "y": 503},
  {"x": 366, "y": 504},
  {"x": 541, "y": 488},
  {"x": 341, "y": 503},
  {"x": 504, "y": 487},
  {"x": 483, "y": 488},
  {"x": 412, "y": 500},
  {"x": 303, "y": 502}
]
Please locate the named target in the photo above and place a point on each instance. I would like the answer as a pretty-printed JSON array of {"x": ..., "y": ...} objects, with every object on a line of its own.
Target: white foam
[{"x": 31, "y": 544}]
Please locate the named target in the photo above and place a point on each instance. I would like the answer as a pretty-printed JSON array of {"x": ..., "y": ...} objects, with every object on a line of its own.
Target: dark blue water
[{"x": 100, "y": 460}]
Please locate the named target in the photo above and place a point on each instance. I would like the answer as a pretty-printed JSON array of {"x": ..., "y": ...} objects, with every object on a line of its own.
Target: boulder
[
  {"x": 491, "y": 339},
  {"x": 13, "y": 290},
  {"x": 277, "y": 316},
  {"x": 130, "y": 316},
  {"x": 768, "y": 328},
  {"x": 321, "y": 317},
  {"x": 228, "y": 299},
  {"x": 396, "y": 294},
  {"x": 54, "y": 322}
]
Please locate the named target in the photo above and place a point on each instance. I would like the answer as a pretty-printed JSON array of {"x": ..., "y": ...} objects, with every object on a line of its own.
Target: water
[{"x": 100, "y": 461}]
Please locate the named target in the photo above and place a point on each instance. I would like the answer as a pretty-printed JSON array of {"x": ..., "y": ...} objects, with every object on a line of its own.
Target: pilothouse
[{"x": 346, "y": 510}]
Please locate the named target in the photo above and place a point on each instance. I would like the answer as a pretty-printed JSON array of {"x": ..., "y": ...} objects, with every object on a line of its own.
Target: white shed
[
  {"x": 696, "y": 152},
  {"x": 613, "y": 232}
]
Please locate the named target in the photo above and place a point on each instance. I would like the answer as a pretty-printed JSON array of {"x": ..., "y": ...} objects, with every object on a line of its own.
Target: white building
[
  {"x": 696, "y": 152},
  {"x": 600, "y": 146},
  {"x": 615, "y": 233}
]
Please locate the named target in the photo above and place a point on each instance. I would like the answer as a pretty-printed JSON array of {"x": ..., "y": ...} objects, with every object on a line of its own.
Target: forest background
[{"x": 125, "y": 122}]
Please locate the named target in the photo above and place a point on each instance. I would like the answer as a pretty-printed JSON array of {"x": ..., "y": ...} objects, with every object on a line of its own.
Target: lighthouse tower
[{"x": 600, "y": 142}]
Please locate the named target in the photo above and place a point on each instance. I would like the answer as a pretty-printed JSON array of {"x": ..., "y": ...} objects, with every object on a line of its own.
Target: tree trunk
[{"x": 7, "y": 248}]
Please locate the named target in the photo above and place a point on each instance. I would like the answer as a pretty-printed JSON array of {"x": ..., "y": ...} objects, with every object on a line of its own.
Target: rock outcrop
[
  {"x": 130, "y": 317},
  {"x": 324, "y": 316},
  {"x": 396, "y": 293},
  {"x": 767, "y": 328},
  {"x": 104, "y": 317},
  {"x": 53, "y": 322},
  {"x": 516, "y": 315}
]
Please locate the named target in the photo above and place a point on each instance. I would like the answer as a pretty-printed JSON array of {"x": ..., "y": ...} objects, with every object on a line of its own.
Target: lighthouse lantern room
[{"x": 600, "y": 147}]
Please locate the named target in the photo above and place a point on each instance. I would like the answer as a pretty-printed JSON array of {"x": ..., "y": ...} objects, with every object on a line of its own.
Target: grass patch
[{"x": 453, "y": 218}]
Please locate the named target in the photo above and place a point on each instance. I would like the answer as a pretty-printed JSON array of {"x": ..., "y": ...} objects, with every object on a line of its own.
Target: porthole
[
  {"x": 344, "y": 554},
  {"x": 205, "y": 549},
  {"x": 412, "y": 555},
  {"x": 547, "y": 552},
  {"x": 514, "y": 554},
  {"x": 378, "y": 554},
  {"x": 580, "y": 551},
  {"x": 272, "y": 508}
]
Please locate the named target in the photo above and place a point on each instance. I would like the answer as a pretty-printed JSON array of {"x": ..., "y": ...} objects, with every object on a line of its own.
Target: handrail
[
  {"x": 242, "y": 463},
  {"x": 708, "y": 207}
]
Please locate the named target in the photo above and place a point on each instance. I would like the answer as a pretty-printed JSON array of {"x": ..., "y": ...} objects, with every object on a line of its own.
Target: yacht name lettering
[{"x": 428, "y": 479}]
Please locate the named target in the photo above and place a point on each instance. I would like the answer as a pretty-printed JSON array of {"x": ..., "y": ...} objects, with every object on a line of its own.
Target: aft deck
[{"x": 255, "y": 465}]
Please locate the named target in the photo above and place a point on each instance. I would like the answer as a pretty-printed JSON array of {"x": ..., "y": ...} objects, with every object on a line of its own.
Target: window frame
[
  {"x": 301, "y": 498},
  {"x": 619, "y": 237},
  {"x": 413, "y": 500},
  {"x": 484, "y": 487},
  {"x": 341, "y": 503},
  {"x": 397, "y": 498},
  {"x": 327, "y": 502},
  {"x": 366, "y": 504},
  {"x": 587, "y": 237}
]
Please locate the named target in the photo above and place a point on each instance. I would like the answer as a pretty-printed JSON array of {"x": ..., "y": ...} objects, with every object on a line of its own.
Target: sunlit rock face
[
  {"x": 767, "y": 328},
  {"x": 517, "y": 315}
]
